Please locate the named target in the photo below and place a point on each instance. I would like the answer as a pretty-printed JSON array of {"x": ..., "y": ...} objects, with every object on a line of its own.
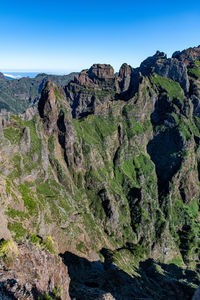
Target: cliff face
[
  {"x": 109, "y": 168},
  {"x": 90, "y": 89}
]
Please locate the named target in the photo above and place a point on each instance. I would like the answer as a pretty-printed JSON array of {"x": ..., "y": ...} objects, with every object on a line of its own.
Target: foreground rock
[{"x": 31, "y": 273}]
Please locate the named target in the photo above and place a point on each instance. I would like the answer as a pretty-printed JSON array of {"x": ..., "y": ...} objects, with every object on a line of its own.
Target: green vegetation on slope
[
  {"x": 195, "y": 72},
  {"x": 172, "y": 87}
]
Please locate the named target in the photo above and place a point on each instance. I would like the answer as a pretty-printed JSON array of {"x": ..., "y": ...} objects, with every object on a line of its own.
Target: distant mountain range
[{"x": 18, "y": 92}]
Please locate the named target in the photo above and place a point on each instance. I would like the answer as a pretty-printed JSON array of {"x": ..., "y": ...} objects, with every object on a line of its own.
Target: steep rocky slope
[
  {"x": 30, "y": 272},
  {"x": 18, "y": 94},
  {"x": 107, "y": 173}
]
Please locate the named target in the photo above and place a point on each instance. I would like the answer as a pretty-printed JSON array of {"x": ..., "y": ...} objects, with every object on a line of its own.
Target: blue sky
[{"x": 63, "y": 36}]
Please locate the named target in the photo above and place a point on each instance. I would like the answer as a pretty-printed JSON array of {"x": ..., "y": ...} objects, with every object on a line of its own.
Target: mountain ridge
[{"x": 107, "y": 171}]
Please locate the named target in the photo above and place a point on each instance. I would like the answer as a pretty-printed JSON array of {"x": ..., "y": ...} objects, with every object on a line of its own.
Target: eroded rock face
[
  {"x": 29, "y": 113},
  {"x": 33, "y": 273},
  {"x": 96, "y": 75},
  {"x": 26, "y": 140},
  {"x": 4, "y": 117},
  {"x": 124, "y": 77},
  {"x": 47, "y": 106},
  {"x": 196, "y": 105},
  {"x": 148, "y": 65},
  {"x": 175, "y": 70},
  {"x": 109, "y": 208},
  {"x": 56, "y": 115},
  {"x": 99, "y": 85},
  {"x": 168, "y": 68},
  {"x": 91, "y": 88},
  {"x": 187, "y": 56},
  {"x": 101, "y": 71}
]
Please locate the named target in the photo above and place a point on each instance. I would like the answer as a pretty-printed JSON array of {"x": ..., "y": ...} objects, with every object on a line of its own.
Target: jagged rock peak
[
  {"x": 47, "y": 99},
  {"x": 101, "y": 71},
  {"x": 124, "y": 70},
  {"x": 169, "y": 68},
  {"x": 91, "y": 88},
  {"x": 187, "y": 56},
  {"x": 96, "y": 72},
  {"x": 160, "y": 54},
  {"x": 56, "y": 114},
  {"x": 124, "y": 77},
  {"x": 147, "y": 65},
  {"x": 47, "y": 105}
]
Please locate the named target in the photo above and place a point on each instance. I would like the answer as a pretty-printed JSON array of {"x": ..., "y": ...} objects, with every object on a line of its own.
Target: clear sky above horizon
[{"x": 64, "y": 36}]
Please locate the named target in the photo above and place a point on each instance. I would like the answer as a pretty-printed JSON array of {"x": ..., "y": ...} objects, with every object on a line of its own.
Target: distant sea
[{"x": 18, "y": 75}]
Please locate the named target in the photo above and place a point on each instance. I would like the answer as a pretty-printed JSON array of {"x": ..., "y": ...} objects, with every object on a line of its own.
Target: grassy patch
[
  {"x": 49, "y": 244},
  {"x": 136, "y": 128},
  {"x": 177, "y": 261},
  {"x": 81, "y": 247},
  {"x": 195, "y": 72},
  {"x": 188, "y": 128},
  {"x": 51, "y": 142},
  {"x": 94, "y": 129},
  {"x": 172, "y": 87},
  {"x": 12, "y": 213},
  {"x": 43, "y": 243},
  {"x": 12, "y": 134},
  {"x": 48, "y": 189},
  {"x": 17, "y": 172},
  {"x": 35, "y": 140},
  {"x": 7, "y": 247},
  {"x": 193, "y": 208},
  {"x": 19, "y": 231},
  {"x": 29, "y": 201},
  {"x": 197, "y": 63}
]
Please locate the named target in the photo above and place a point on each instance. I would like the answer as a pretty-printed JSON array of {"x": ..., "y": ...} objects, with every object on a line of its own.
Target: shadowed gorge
[{"x": 90, "y": 280}]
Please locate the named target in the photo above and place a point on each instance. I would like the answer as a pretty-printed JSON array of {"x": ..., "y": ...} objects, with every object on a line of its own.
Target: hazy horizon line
[{"x": 37, "y": 71}]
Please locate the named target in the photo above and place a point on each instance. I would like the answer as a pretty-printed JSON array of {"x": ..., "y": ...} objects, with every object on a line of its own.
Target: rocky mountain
[
  {"x": 18, "y": 94},
  {"x": 102, "y": 183}
]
